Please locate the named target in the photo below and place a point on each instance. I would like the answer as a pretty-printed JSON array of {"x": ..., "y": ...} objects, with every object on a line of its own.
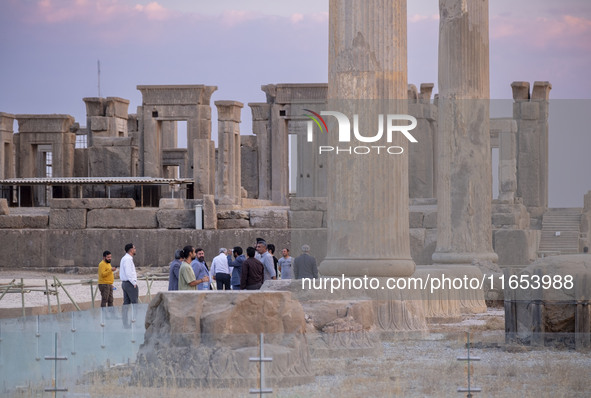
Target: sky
[{"x": 50, "y": 50}]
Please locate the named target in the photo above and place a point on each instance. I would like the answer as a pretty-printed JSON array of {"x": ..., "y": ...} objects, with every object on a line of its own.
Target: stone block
[
  {"x": 93, "y": 203},
  {"x": 268, "y": 218},
  {"x": 415, "y": 219},
  {"x": 4, "y": 210},
  {"x": 176, "y": 219},
  {"x": 233, "y": 214},
  {"x": 430, "y": 220},
  {"x": 504, "y": 219},
  {"x": 225, "y": 326},
  {"x": 530, "y": 110},
  {"x": 306, "y": 219},
  {"x": 111, "y": 141},
  {"x": 116, "y": 161},
  {"x": 417, "y": 242},
  {"x": 20, "y": 221},
  {"x": 233, "y": 223},
  {"x": 67, "y": 218},
  {"x": 304, "y": 204},
  {"x": 210, "y": 219},
  {"x": 515, "y": 247},
  {"x": 122, "y": 218},
  {"x": 99, "y": 123},
  {"x": 173, "y": 204}
]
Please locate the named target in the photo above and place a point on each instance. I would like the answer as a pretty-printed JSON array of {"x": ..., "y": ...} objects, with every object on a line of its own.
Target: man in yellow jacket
[{"x": 106, "y": 278}]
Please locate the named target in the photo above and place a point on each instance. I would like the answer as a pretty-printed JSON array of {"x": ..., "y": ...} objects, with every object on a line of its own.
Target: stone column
[
  {"x": 464, "y": 182},
  {"x": 421, "y": 158},
  {"x": 279, "y": 157},
  {"x": 367, "y": 213},
  {"x": 507, "y": 132},
  {"x": 6, "y": 146},
  {"x": 531, "y": 115},
  {"x": 261, "y": 115},
  {"x": 203, "y": 167},
  {"x": 228, "y": 161}
]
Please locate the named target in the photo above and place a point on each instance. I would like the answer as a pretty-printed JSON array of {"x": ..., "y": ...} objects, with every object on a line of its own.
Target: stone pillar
[
  {"x": 421, "y": 158},
  {"x": 279, "y": 157},
  {"x": 464, "y": 181},
  {"x": 203, "y": 167},
  {"x": 367, "y": 209},
  {"x": 507, "y": 133},
  {"x": 6, "y": 146},
  {"x": 261, "y": 116},
  {"x": 531, "y": 115},
  {"x": 228, "y": 161}
]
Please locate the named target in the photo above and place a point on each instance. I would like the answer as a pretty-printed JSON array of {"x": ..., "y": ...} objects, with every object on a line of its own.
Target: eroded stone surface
[{"x": 206, "y": 339}]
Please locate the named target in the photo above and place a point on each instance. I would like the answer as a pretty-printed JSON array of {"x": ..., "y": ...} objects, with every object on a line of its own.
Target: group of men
[
  {"x": 235, "y": 270},
  {"x": 189, "y": 271}
]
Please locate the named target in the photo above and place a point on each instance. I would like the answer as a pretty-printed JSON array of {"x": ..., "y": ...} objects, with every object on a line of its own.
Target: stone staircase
[{"x": 567, "y": 223}]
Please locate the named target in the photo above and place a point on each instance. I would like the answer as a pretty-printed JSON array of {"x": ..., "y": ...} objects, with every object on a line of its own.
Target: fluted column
[
  {"x": 464, "y": 184},
  {"x": 367, "y": 215}
]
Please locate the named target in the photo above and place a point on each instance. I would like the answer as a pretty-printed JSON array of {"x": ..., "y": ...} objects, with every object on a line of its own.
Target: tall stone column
[
  {"x": 464, "y": 182},
  {"x": 228, "y": 162},
  {"x": 531, "y": 114},
  {"x": 367, "y": 214},
  {"x": 261, "y": 115},
  {"x": 421, "y": 158}
]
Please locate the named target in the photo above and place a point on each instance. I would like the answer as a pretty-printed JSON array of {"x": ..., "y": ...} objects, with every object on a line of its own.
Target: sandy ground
[{"x": 76, "y": 285}]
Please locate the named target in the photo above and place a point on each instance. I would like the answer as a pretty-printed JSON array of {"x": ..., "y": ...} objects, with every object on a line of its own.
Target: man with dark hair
[
  {"x": 173, "y": 273},
  {"x": 236, "y": 265},
  {"x": 106, "y": 278},
  {"x": 267, "y": 260},
  {"x": 285, "y": 263},
  {"x": 271, "y": 250},
  {"x": 128, "y": 278},
  {"x": 187, "y": 280},
  {"x": 200, "y": 268},
  {"x": 252, "y": 272}
]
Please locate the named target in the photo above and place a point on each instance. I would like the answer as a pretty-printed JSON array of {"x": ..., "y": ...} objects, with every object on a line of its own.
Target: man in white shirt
[
  {"x": 128, "y": 278},
  {"x": 220, "y": 270}
]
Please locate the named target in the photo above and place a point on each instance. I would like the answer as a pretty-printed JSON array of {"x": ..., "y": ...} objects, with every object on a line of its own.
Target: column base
[
  {"x": 370, "y": 267},
  {"x": 463, "y": 258}
]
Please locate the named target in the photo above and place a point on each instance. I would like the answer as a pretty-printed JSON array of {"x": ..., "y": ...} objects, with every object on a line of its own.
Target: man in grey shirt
[
  {"x": 285, "y": 264},
  {"x": 304, "y": 266},
  {"x": 267, "y": 260}
]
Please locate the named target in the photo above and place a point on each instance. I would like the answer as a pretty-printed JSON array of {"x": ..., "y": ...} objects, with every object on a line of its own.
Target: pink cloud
[
  {"x": 419, "y": 18},
  {"x": 564, "y": 32},
  {"x": 93, "y": 11}
]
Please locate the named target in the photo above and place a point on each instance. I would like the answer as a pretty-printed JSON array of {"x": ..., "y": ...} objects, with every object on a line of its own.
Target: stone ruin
[
  {"x": 559, "y": 315},
  {"x": 438, "y": 212},
  {"x": 206, "y": 339}
]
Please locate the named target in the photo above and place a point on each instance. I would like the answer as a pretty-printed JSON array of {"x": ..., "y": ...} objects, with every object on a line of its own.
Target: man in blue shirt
[
  {"x": 237, "y": 267},
  {"x": 200, "y": 268},
  {"x": 173, "y": 275}
]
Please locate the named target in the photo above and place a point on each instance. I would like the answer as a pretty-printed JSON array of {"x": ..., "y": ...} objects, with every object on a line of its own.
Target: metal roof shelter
[{"x": 106, "y": 181}]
